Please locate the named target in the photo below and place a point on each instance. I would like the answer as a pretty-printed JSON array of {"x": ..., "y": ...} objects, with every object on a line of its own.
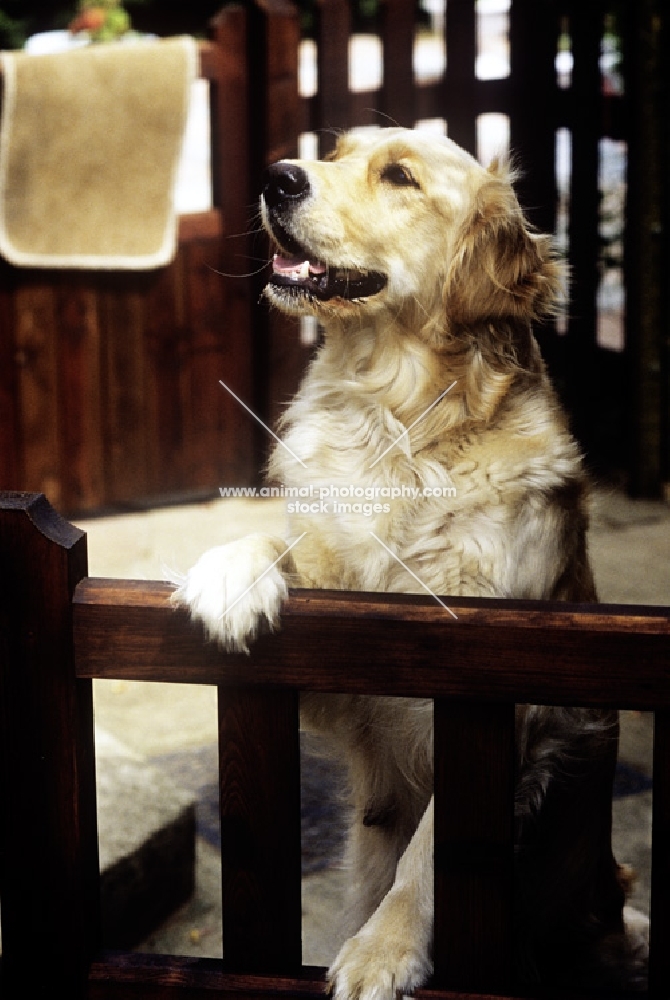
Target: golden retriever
[{"x": 435, "y": 456}]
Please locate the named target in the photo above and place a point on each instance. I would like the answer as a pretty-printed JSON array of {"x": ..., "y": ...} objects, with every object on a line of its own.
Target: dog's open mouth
[{"x": 298, "y": 275}]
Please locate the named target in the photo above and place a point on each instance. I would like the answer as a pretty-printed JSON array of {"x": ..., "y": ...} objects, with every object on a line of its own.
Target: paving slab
[{"x": 146, "y": 835}]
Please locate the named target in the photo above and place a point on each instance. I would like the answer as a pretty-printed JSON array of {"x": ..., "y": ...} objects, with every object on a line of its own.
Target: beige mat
[{"x": 90, "y": 141}]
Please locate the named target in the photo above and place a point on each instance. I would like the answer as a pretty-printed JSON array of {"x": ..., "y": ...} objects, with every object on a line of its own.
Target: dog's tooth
[{"x": 303, "y": 273}]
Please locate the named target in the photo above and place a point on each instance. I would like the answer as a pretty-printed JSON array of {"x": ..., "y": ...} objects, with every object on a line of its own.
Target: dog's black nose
[{"x": 284, "y": 182}]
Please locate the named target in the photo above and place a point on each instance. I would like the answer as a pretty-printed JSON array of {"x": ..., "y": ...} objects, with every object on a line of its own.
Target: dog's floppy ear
[{"x": 499, "y": 267}]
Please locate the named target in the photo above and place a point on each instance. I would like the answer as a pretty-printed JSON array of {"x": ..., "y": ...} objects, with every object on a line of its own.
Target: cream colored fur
[{"x": 465, "y": 279}]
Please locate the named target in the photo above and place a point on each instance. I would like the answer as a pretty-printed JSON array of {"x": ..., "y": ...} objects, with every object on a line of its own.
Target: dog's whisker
[
  {"x": 248, "y": 274},
  {"x": 382, "y": 114}
]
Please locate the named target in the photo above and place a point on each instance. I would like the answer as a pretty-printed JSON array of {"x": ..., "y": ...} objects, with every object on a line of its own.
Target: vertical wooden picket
[
  {"x": 48, "y": 843},
  {"x": 474, "y": 846},
  {"x": 333, "y": 113},
  {"x": 399, "y": 93},
  {"x": 659, "y": 957},
  {"x": 459, "y": 79},
  {"x": 586, "y": 25},
  {"x": 260, "y": 830}
]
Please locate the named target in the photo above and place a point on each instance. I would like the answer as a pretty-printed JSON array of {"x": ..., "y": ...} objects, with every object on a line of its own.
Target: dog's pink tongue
[{"x": 296, "y": 267}]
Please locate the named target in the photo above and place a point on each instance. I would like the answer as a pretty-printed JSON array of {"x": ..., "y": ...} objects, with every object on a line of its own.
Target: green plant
[{"x": 102, "y": 20}]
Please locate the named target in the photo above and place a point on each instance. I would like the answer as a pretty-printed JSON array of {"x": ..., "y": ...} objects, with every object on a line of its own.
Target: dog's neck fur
[{"x": 405, "y": 372}]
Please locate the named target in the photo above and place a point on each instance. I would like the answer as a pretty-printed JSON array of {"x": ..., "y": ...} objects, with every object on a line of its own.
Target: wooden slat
[
  {"x": 284, "y": 111},
  {"x": 229, "y": 111},
  {"x": 37, "y": 386},
  {"x": 659, "y": 959},
  {"x": 48, "y": 840},
  {"x": 584, "y": 396},
  {"x": 459, "y": 79},
  {"x": 200, "y": 225},
  {"x": 259, "y": 767},
  {"x": 161, "y": 977},
  {"x": 10, "y": 452},
  {"x": 170, "y": 977},
  {"x": 474, "y": 845},
  {"x": 218, "y": 431},
  {"x": 210, "y": 60},
  {"x": 332, "y": 98},
  {"x": 531, "y": 105},
  {"x": 396, "y": 644},
  {"x": 647, "y": 424},
  {"x": 282, "y": 366},
  {"x": 398, "y": 95},
  {"x": 80, "y": 375},
  {"x": 166, "y": 359},
  {"x": 121, "y": 317},
  {"x": 234, "y": 192}
]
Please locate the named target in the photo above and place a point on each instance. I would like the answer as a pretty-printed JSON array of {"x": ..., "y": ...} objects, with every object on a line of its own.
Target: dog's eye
[{"x": 398, "y": 175}]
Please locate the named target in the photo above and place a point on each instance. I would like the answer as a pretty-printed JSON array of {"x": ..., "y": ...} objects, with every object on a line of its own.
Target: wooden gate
[{"x": 60, "y": 628}]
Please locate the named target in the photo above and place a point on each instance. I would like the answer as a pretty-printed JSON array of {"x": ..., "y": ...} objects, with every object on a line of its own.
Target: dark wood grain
[
  {"x": 48, "y": 839},
  {"x": 163, "y": 977},
  {"x": 80, "y": 455},
  {"x": 647, "y": 383},
  {"x": 259, "y": 767},
  {"x": 474, "y": 845},
  {"x": 37, "y": 386},
  {"x": 332, "y": 107},
  {"x": 533, "y": 108},
  {"x": 395, "y": 644},
  {"x": 398, "y": 94},
  {"x": 235, "y": 192},
  {"x": 125, "y": 426},
  {"x": 659, "y": 964},
  {"x": 586, "y": 27},
  {"x": 279, "y": 374},
  {"x": 160, "y": 977},
  {"x": 11, "y": 473},
  {"x": 459, "y": 79},
  {"x": 201, "y": 225}
]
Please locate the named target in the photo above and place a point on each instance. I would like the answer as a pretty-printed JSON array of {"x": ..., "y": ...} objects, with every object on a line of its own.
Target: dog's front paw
[
  {"x": 636, "y": 926},
  {"x": 385, "y": 958},
  {"x": 234, "y": 587}
]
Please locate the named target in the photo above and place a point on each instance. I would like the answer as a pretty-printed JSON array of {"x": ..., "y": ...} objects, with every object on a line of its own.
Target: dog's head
[{"x": 398, "y": 219}]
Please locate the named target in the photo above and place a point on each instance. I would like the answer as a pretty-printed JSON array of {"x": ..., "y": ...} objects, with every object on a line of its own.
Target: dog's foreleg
[{"x": 391, "y": 952}]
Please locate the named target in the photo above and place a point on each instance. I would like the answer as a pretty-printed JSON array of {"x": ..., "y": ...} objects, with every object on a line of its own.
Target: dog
[{"x": 428, "y": 396}]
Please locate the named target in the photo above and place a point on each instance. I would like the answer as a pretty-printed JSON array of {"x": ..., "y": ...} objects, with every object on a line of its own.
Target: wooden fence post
[
  {"x": 646, "y": 248},
  {"x": 49, "y": 879},
  {"x": 333, "y": 96},
  {"x": 659, "y": 956},
  {"x": 474, "y": 846},
  {"x": 459, "y": 78},
  {"x": 259, "y": 767},
  {"x": 399, "y": 92},
  {"x": 258, "y": 116}
]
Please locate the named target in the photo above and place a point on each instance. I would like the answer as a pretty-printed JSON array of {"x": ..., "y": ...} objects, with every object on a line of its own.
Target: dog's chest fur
[{"x": 490, "y": 484}]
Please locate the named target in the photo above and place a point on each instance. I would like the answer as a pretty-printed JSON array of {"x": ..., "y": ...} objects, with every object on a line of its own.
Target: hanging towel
[{"x": 90, "y": 141}]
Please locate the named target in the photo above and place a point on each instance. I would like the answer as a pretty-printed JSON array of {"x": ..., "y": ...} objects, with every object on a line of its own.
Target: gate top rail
[{"x": 389, "y": 644}]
